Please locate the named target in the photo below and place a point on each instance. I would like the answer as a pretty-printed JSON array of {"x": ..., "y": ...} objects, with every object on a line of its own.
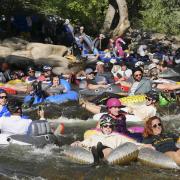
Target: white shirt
[
  {"x": 126, "y": 73},
  {"x": 141, "y": 50},
  {"x": 14, "y": 125},
  {"x": 133, "y": 88}
]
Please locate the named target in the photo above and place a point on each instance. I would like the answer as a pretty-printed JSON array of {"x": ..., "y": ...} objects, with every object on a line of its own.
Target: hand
[{"x": 41, "y": 114}]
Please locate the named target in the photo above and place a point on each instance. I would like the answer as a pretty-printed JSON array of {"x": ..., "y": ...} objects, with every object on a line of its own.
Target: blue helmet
[{"x": 2, "y": 91}]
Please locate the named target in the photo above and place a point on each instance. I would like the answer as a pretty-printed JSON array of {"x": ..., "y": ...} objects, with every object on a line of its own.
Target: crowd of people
[{"x": 141, "y": 76}]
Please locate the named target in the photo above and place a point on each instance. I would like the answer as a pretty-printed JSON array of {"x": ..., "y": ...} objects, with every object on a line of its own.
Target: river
[{"x": 17, "y": 162}]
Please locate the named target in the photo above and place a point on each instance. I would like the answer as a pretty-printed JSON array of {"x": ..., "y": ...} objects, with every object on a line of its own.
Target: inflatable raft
[
  {"x": 39, "y": 135},
  {"x": 99, "y": 91},
  {"x": 157, "y": 159},
  {"x": 123, "y": 154}
]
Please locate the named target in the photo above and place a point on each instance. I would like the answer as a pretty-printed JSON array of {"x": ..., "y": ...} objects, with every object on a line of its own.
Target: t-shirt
[
  {"x": 14, "y": 125},
  {"x": 163, "y": 142}
]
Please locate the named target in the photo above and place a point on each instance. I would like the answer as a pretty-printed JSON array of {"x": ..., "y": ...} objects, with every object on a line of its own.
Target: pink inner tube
[{"x": 136, "y": 129}]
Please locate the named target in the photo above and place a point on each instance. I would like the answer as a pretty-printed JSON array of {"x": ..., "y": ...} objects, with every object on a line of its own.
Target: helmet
[
  {"x": 106, "y": 119},
  {"x": 47, "y": 68},
  {"x": 153, "y": 95},
  {"x": 2, "y": 91},
  {"x": 152, "y": 66},
  {"x": 18, "y": 73},
  {"x": 113, "y": 102},
  {"x": 15, "y": 108},
  {"x": 139, "y": 63}
]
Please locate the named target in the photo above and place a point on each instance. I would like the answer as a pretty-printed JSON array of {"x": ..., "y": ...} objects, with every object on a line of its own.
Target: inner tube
[
  {"x": 114, "y": 89},
  {"x": 37, "y": 141},
  {"x": 9, "y": 90},
  {"x": 123, "y": 154},
  {"x": 79, "y": 155},
  {"x": 157, "y": 159},
  {"x": 133, "y": 99},
  {"x": 61, "y": 98}
]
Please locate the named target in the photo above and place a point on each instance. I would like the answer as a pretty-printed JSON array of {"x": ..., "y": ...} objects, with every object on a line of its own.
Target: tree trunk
[
  {"x": 124, "y": 23},
  {"x": 108, "y": 19},
  {"x": 119, "y": 6}
]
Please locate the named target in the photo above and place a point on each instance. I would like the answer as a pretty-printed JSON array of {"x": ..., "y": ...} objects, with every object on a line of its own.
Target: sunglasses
[
  {"x": 3, "y": 97},
  {"x": 108, "y": 126},
  {"x": 156, "y": 125},
  {"x": 136, "y": 75},
  {"x": 149, "y": 99}
]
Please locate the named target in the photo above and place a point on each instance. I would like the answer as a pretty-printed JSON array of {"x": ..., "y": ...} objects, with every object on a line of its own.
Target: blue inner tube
[{"x": 60, "y": 98}]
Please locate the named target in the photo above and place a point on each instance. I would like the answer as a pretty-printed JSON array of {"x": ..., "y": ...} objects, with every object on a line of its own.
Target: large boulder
[
  {"x": 5, "y": 51},
  {"x": 23, "y": 53},
  {"x": 19, "y": 61},
  {"x": 53, "y": 60},
  {"x": 15, "y": 43},
  {"x": 39, "y": 50},
  {"x": 60, "y": 70}
]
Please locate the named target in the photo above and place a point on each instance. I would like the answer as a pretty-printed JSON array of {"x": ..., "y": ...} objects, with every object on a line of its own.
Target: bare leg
[
  {"x": 106, "y": 152},
  {"x": 174, "y": 155}
]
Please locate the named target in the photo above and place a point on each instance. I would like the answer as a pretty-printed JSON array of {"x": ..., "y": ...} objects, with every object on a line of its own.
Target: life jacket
[{"x": 4, "y": 111}]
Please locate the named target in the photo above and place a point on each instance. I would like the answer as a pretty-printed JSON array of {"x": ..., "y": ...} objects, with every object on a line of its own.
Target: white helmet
[
  {"x": 67, "y": 21},
  {"x": 139, "y": 63},
  {"x": 152, "y": 66}
]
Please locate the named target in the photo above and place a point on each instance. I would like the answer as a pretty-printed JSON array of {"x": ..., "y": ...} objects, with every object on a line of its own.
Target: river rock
[
  {"x": 39, "y": 50},
  {"x": 15, "y": 43},
  {"x": 23, "y": 53},
  {"x": 60, "y": 70},
  {"x": 53, "y": 60},
  {"x": 19, "y": 61},
  {"x": 5, "y": 51}
]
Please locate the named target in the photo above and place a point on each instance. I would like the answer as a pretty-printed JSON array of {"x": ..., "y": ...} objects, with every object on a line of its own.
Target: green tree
[{"x": 160, "y": 16}]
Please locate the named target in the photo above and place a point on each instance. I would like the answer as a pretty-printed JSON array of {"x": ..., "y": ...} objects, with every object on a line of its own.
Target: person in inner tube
[
  {"x": 15, "y": 123},
  {"x": 102, "y": 143},
  {"x": 154, "y": 136},
  {"x": 3, "y": 104}
]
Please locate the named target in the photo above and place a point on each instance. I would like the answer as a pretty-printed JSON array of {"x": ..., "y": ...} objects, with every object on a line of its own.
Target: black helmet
[
  {"x": 15, "y": 108},
  {"x": 106, "y": 120},
  {"x": 153, "y": 95}
]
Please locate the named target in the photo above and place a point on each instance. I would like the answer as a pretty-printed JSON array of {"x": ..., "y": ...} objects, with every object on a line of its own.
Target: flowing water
[{"x": 17, "y": 162}]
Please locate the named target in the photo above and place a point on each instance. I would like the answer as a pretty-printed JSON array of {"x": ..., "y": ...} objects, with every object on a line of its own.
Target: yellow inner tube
[
  {"x": 90, "y": 133},
  {"x": 177, "y": 82},
  {"x": 133, "y": 99}
]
